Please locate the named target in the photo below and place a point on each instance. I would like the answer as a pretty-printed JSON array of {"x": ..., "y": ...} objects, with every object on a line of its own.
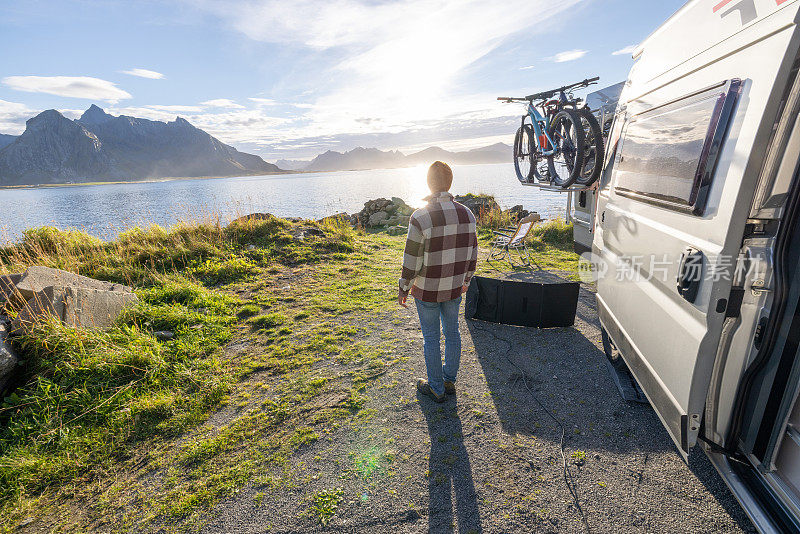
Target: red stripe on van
[
  {"x": 781, "y": 1},
  {"x": 723, "y": 4}
]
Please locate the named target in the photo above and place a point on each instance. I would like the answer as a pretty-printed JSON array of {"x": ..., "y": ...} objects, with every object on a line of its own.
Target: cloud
[
  {"x": 175, "y": 109},
  {"x": 401, "y": 61},
  {"x": 222, "y": 103},
  {"x": 529, "y": 67},
  {"x": 263, "y": 101},
  {"x": 568, "y": 55},
  {"x": 628, "y": 50},
  {"x": 13, "y": 116},
  {"x": 144, "y": 73},
  {"x": 68, "y": 86}
]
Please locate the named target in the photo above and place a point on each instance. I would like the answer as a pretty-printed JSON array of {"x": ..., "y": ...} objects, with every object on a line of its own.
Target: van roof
[{"x": 700, "y": 24}]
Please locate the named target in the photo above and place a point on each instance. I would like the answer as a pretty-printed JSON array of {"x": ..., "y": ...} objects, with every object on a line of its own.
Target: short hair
[{"x": 440, "y": 177}]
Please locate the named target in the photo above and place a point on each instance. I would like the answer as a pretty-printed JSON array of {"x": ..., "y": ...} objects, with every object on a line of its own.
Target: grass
[
  {"x": 324, "y": 504},
  {"x": 116, "y": 423},
  {"x": 90, "y": 400},
  {"x": 268, "y": 320}
]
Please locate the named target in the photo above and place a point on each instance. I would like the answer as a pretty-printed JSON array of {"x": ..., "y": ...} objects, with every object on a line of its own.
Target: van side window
[{"x": 667, "y": 154}]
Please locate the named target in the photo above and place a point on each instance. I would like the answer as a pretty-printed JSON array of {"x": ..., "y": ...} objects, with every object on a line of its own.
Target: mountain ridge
[
  {"x": 361, "y": 158},
  {"x": 102, "y": 147}
]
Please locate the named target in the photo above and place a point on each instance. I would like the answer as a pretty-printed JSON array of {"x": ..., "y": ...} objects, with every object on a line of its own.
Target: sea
[{"x": 105, "y": 210}]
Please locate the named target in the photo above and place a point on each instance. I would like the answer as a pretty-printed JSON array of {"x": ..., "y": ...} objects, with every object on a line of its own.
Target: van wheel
[{"x": 620, "y": 374}]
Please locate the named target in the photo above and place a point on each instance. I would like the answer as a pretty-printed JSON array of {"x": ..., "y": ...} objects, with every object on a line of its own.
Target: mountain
[
  {"x": 358, "y": 158},
  {"x": 101, "y": 147},
  {"x": 372, "y": 158},
  {"x": 292, "y": 164},
  {"x": 6, "y": 139}
]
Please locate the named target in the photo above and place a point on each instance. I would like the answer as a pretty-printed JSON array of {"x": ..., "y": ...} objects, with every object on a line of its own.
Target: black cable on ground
[{"x": 569, "y": 480}]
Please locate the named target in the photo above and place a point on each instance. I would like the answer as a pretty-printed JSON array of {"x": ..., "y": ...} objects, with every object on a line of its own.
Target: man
[{"x": 439, "y": 260}]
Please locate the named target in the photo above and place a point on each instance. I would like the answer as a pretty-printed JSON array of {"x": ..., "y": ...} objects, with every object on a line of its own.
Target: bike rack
[{"x": 546, "y": 186}]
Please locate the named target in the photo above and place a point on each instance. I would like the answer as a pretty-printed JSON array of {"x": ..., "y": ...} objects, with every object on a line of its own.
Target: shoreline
[{"x": 175, "y": 178}]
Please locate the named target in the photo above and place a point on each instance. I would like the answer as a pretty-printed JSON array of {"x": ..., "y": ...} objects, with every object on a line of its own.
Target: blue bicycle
[{"x": 560, "y": 145}]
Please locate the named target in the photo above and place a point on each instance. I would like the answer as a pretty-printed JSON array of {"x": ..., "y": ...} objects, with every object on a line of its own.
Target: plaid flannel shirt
[{"x": 441, "y": 250}]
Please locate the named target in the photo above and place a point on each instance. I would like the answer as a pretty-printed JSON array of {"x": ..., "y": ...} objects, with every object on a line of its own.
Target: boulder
[
  {"x": 8, "y": 289},
  {"x": 517, "y": 212},
  {"x": 74, "y": 306},
  {"x": 36, "y": 278},
  {"x": 478, "y": 204},
  {"x": 8, "y": 358},
  {"x": 377, "y": 218}
]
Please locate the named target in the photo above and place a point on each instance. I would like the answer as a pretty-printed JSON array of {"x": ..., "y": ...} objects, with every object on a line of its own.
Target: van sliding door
[{"x": 672, "y": 209}]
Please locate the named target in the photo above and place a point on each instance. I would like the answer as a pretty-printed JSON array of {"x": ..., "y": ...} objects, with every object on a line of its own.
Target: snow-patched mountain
[{"x": 103, "y": 147}]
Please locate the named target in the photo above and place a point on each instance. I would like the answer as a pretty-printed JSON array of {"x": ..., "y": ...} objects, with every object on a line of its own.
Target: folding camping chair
[{"x": 512, "y": 240}]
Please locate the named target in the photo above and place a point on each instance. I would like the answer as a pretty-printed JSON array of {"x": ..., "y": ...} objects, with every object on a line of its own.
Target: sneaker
[
  {"x": 449, "y": 387},
  {"x": 425, "y": 388}
]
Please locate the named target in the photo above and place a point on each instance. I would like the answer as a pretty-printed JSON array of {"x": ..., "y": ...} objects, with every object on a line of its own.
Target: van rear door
[{"x": 684, "y": 156}]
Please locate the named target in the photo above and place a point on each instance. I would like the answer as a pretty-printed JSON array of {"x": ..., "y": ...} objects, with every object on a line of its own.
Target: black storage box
[{"x": 522, "y": 303}]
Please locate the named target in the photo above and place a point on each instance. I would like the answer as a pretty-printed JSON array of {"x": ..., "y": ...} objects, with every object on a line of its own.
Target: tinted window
[{"x": 664, "y": 153}]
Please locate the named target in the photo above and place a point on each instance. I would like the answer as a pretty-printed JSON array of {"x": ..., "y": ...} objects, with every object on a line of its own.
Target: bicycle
[{"x": 553, "y": 148}]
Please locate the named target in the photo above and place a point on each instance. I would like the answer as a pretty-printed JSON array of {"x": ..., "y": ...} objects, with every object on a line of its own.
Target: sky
[{"x": 291, "y": 79}]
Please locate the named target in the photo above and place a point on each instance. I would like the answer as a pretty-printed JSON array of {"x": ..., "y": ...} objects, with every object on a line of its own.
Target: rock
[
  {"x": 313, "y": 230},
  {"x": 74, "y": 306},
  {"x": 478, "y": 204},
  {"x": 49, "y": 302},
  {"x": 8, "y": 358},
  {"x": 36, "y": 278},
  {"x": 517, "y": 212},
  {"x": 163, "y": 335},
  {"x": 8, "y": 289},
  {"x": 397, "y": 230},
  {"x": 377, "y": 218}
]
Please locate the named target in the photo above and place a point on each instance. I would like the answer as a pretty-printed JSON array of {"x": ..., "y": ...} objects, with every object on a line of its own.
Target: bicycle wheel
[
  {"x": 593, "y": 148},
  {"x": 566, "y": 132},
  {"x": 524, "y": 150}
]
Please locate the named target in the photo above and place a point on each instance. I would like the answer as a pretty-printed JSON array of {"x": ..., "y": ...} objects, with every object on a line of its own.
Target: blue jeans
[{"x": 430, "y": 313}]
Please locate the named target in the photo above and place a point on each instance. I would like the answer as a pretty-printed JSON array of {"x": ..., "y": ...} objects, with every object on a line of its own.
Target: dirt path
[{"x": 489, "y": 460}]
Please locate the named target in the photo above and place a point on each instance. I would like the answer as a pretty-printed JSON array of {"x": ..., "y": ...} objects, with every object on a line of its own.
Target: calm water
[{"x": 105, "y": 210}]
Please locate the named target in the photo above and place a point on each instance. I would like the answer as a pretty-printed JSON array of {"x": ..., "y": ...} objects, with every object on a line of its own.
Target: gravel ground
[{"x": 489, "y": 460}]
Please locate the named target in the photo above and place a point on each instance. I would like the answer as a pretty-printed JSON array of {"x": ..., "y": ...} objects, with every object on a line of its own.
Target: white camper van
[{"x": 697, "y": 242}]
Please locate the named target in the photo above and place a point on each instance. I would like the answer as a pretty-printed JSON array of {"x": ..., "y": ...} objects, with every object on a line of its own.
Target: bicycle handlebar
[
  {"x": 552, "y": 92},
  {"x": 547, "y": 94}
]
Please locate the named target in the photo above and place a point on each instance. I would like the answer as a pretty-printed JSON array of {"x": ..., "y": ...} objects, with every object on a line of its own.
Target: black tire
[
  {"x": 566, "y": 131},
  {"x": 524, "y": 150},
  {"x": 594, "y": 148}
]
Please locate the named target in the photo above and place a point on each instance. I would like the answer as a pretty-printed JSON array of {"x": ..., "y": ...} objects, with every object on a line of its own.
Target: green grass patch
[
  {"x": 324, "y": 504},
  {"x": 90, "y": 399},
  {"x": 268, "y": 320}
]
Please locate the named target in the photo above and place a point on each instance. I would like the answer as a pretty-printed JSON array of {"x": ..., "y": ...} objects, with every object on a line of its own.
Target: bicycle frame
[{"x": 536, "y": 118}]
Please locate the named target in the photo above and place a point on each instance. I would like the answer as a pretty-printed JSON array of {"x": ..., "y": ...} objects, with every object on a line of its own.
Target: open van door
[{"x": 683, "y": 160}]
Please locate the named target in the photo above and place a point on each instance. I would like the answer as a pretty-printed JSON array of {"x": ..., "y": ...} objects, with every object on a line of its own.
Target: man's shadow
[{"x": 449, "y": 471}]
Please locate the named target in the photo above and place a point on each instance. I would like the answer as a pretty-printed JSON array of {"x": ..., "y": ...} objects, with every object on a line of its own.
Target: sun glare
[{"x": 416, "y": 179}]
